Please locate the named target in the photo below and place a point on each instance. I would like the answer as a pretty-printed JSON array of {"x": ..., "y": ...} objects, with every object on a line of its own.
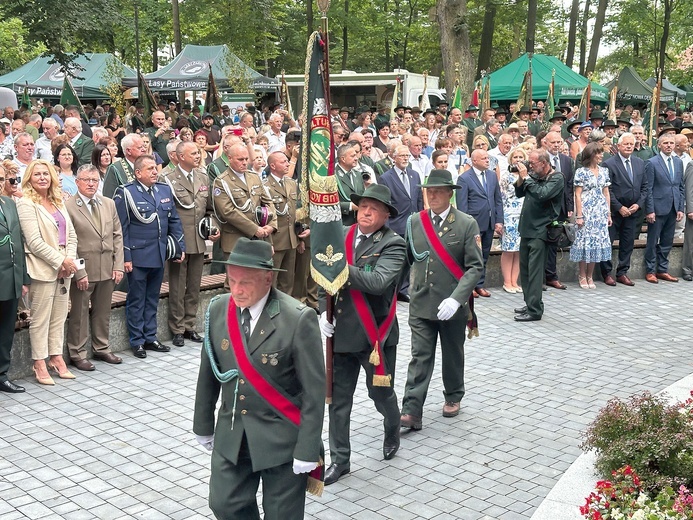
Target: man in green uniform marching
[
  {"x": 543, "y": 193},
  {"x": 445, "y": 252},
  {"x": 263, "y": 351}
]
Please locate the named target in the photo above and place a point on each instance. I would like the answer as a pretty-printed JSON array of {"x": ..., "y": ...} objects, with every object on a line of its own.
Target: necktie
[
  {"x": 437, "y": 220},
  {"x": 405, "y": 181},
  {"x": 671, "y": 168},
  {"x": 629, "y": 170},
  {"x": 555, "y": 163},
  {"x": 245, "y": 323},
  {"x": 95, "y": 215}
]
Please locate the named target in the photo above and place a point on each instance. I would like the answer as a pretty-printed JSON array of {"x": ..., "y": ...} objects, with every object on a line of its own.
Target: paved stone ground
[{"x": 116, "y": 443}]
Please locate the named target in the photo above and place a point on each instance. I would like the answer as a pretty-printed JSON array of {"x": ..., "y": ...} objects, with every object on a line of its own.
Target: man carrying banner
[
  {"x": 263, "y": 351},
  {"x": 445, "y": 252},
  {"x": 366, "y": 332}
]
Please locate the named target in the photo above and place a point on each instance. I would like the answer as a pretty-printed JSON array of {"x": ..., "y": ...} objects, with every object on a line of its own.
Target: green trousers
[{"x": 533, "y": 253}]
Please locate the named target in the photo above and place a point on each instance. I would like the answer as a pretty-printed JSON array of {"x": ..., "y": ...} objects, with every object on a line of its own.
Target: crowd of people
[{"x": 423, "y": 196}]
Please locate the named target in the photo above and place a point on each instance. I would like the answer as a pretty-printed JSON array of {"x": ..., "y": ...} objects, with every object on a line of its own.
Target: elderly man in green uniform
[
  {"x": 121, "y": 171},
  {"x": 366, "y": 331},
  {"x": 263, "y": 351},
  {"x": 447, "y": 262},
  {"x": 543, "y": 194}
]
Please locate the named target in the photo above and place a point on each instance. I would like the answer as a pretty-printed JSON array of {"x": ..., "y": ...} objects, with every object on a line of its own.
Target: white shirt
[
  {"x": 255, "y": 311},
  {"x": 42, "y": 149},
  {"x": 480, "y": 175},
  {"x": 87, "y": 201},
  {"x": 422, "y": 165},
  {"x": 76, "y": 138},
  {"x": 276, "y": 142},
  {"x": 442, "y": 215},
  {"x": 502, "y": 159}
]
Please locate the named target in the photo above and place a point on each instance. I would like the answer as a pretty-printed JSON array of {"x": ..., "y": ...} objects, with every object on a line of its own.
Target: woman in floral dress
[
  {"x": 510, "y": 239},
  {"x": 592, "y": 215}
]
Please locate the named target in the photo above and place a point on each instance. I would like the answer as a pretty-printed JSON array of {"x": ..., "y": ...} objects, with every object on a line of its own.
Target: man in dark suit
[
  {"x": 543, "y": 194},
  {"x": 560, "y": 162},
  {"x": 150, "y": 221},
  {"x": 663, "y": 208},
  {"x": 628, "y": 192},
  {"x": 190, "y": 188},
  {"x": 687, "y": 254},
  {"x": 264, "y": 354},
  {"x": 440, "y": 289},
  {"x": 376, "y": 257},
  {"x": 15, "y": 282},
  {"x": 121, "y": 171},
  {"x": 349, "y": 181},
  {"x": 81, "y": 144},
  {"x": 480, "y": 197},
  {"x": 100, "y": 244}
]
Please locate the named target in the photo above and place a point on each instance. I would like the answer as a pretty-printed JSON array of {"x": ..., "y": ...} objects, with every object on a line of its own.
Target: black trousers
[
  {"x": 8, "y": 317},
  {"x": 622, "y": 229}
]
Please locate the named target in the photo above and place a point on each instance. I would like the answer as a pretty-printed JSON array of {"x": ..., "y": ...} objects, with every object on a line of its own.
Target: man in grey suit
[
  {"x": 480, "y": 197},
  {"x": 100, "y": 244},
  {"x": 628, "y": 192},
  {"x": 349, "y": 181},
  {"x": 663, "y": 208}
]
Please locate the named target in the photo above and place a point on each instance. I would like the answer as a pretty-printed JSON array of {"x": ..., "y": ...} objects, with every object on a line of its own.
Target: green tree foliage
[{"x": 15, "y": 50}]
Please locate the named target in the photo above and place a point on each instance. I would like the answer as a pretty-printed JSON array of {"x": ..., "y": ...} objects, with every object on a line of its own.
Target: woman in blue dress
[
  {"x": 592, "y": 243},
  {"x": 510, "y": 239}
]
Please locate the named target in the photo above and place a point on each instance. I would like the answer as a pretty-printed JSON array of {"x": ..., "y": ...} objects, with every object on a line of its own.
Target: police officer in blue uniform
[{"x": 152, "y": 234}]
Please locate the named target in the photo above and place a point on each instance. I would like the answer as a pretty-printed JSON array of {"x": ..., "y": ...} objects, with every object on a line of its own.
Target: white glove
[
  {"x": 326, "y": 327},
  {"x": 447, "y": 308},
  {"x": 207, "y": 441},
  {"x": 301, "y": 466}
]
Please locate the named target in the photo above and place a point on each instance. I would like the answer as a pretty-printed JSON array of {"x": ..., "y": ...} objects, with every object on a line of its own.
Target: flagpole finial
[{"x": 323, "y": 6}]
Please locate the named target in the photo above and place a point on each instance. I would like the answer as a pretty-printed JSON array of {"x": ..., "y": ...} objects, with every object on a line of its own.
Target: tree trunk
[
  {"x": 583, "y": 36},
  {"x": 531, "y": 25},
  {"x": 454, "y": 44},
  {"x": 345, "y": 34},
  {"x": 175, "y": 13},
  {"x": 410, "y": 20},
  {"x": 572, "y": 31},
  {"x": 596, "y": 36},
  {"x": 309, "y": 18},
  {"x": 636, "y": 50},
  {"x": 155, "y": 53},
  {"x": 484, "y": 61},
  {"x": 668, "y": 8}
]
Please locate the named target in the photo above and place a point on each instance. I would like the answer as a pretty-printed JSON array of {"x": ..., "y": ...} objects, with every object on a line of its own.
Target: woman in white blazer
[{"x": 50, "y": 245}]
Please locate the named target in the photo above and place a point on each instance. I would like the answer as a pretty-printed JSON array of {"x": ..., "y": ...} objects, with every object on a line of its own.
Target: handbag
[{"x": 562, "y": 234}]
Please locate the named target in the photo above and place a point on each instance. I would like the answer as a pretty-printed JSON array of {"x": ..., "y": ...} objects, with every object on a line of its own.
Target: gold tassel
[
  {"x": 315, "y": 487},
  {"x": 374, "y": 358},
  {"x": 382, "y": 380}
]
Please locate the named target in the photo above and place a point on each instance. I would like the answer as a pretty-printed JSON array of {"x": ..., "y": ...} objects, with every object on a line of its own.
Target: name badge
[
  {"x": 165, "y": 200},
  {"x": 204, "y": 188}
]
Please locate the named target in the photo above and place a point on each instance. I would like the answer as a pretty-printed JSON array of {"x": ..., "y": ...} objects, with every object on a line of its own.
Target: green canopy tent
[
  {"x": 46, "y": 79},
  {"x": 668, "y": 87},
  {"x": 506, "y": 81},
  {"x": 190, "y": 71},
  {"x": 633, "y": 89}
]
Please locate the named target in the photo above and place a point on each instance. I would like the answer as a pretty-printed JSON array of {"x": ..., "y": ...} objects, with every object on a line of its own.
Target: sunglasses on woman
[{"x": 13, "y": 181}]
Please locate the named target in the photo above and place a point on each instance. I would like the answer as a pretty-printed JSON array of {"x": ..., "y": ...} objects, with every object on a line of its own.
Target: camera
[
  {"x": 512, "y": 168},
  {"x": 300, "y": 227},
  {"x": 366, "y": 176}
]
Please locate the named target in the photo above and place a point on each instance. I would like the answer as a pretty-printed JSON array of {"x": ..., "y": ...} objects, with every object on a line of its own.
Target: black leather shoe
[
  {"x": 156, "y": 347},
  {"x": 391, "y": 443},
  {"x": 139, "y": 351},
  {"x": 9, "y": 386},
  {"x": 178, "y": 340},
  {"x": 688, "y": 277},
  {"x": 521, "y": 310},
  {"x": 526, "y": 317},
  {"x": 401, "y": 297},
  {"x": 193, "y": 336},
  {"x": 334, "y": 472}
]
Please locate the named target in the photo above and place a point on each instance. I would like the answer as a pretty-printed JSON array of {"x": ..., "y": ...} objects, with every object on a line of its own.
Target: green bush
[{"x": 645, "y": 432}]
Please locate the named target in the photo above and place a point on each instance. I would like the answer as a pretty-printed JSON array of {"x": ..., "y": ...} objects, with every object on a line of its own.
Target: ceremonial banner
[
  {"x": 457, "y": 97},
  {"x": 145, "y": 97},
  {"x": 485, "y": 93},
  {"x": 212, "y": 97},
  {"x": 318, "y": 184},
  {"x": 395, "y": 100},
  {"x": 550, "y": 105},
  {"x": 25, "y": 95},
  {"x": 611, "y": 114},
  {"x": 69, "y": 97},
  {"x": 584, "y": 110},
  {"x": 525, "y": 97},
  {"x": 284, "y": 96},
  {"x": 424, "y": 103}
]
